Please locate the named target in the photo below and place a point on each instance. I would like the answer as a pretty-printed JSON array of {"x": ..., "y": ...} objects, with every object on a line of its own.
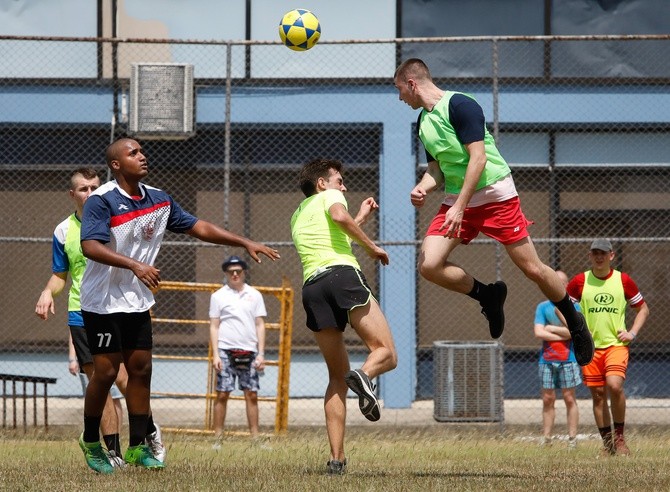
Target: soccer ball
[{"x": 299, "y": 29}]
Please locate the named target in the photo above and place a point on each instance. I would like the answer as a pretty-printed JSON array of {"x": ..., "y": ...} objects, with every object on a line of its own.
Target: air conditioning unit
[
  {"x": 161, "y": 101},
  {"x": 468, "y": 378}
]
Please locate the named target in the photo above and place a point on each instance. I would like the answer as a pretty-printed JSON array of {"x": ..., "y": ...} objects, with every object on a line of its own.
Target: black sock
[
  {"x": 479, "y": 291},
  {"x": 138, "y": 429},
  {"x": 151, "y": 427},
  {"x": 567, "y": 309},
  {"x": 92, "y": 429},
  {"x": 618, "y": 429},
  {"x": 113, "y": 443},
  {"x": 606, "y": 434}
]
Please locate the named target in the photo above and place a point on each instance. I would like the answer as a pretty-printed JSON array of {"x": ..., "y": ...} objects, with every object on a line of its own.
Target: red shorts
[
  {"x": 502, "y": 221},
  {"x": 610, "y": 361}
]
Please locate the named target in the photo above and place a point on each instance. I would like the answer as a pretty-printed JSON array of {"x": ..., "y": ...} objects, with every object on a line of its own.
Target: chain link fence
[{"x": 588, "y": 143}]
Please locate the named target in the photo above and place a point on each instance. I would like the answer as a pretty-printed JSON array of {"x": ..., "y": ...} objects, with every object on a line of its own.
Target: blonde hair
[{"x": 85, "y": 172}]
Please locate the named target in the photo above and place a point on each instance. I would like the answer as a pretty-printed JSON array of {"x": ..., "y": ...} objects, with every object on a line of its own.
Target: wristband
[
  {"x": 262, "y": 354},
  {"x": 73, "y": 360},
  {"x": 632, "y": 334}
]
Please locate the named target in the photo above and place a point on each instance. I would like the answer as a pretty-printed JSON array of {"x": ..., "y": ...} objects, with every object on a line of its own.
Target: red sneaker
[{"x": 620, "y": 446}]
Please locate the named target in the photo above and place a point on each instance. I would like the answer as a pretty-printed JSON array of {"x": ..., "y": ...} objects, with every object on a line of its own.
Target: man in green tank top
[
  {"x": 335, "y": 293},
  {"x": 480, "y": 196}
]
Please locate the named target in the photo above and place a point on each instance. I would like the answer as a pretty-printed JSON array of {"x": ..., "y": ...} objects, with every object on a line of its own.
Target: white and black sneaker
[
  {"x": 115, "y": 460},
  {"x": 155, "y": 443},
  {"x": 360, "y": 384}
]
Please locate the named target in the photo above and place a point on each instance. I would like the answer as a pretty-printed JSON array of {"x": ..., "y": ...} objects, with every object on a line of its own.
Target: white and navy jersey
[{"x": 133, "y": 227}]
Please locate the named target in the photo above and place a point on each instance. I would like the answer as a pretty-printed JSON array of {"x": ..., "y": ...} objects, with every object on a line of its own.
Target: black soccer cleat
[
  {"x": 582, "y": 341},
  {"x": 492, "y": 308}
]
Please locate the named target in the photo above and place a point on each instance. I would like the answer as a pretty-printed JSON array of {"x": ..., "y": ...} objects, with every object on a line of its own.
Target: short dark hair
[
  {"x": 414, "y": 68},
  {"x": 85, "y": 172},
  {"x": 315, "y": 169},
  {"x": 112, "y": 151}
]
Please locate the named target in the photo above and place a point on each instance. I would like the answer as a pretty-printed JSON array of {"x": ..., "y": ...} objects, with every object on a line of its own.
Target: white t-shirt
[
  {"x": 237, "y": 312},
  {"x": 501, "y": 190}
]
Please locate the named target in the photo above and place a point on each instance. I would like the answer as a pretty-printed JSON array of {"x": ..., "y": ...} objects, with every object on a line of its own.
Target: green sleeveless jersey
[
  {"x": 319, "y": 241},
  {"x": 603, "y": 303},
  {"x": 77, "y": 261},
  {"x": 439, "y": 138}
]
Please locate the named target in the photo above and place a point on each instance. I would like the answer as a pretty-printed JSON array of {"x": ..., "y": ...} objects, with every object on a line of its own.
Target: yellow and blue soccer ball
[{"x": 299, "y": 29}]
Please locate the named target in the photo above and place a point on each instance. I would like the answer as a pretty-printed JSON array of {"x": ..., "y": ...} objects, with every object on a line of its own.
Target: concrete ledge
[{"x": 190, "y": 413}]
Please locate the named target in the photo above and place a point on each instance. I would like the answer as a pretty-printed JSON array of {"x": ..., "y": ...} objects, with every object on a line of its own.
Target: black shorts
[
  {"x": 330, "y": 296},
  {"x": 110, "y": 333},
  {"x": 80, "y": 342}
]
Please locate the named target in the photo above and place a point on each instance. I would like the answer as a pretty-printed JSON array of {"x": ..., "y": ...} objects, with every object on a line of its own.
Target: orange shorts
[
  {"x": 610, "y": 361},
  {"x": 502, "y": 221}
]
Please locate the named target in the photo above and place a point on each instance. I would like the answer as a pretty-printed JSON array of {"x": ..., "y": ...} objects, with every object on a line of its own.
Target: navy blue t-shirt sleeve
[
  {"x": 180, "y": 220},
  {"x": 467, "y": 118},
  {"x": 95, "y": 222}
]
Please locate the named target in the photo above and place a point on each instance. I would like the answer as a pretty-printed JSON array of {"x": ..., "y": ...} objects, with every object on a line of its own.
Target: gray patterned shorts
[{"x": 247, "y": 379}]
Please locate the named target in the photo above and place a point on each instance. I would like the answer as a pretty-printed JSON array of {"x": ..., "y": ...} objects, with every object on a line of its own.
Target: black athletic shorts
[
  {"x": 110, "y": 333},
  {"x": 330, "y": 296},
  {"x": 80, "y": 342}
]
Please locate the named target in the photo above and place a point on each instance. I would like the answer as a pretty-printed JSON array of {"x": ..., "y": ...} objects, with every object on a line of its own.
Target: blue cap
[{"x": 234, "y": 260}]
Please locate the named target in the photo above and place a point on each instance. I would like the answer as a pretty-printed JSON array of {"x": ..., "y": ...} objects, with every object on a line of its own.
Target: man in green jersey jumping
[{"x": 480, "y": 196}]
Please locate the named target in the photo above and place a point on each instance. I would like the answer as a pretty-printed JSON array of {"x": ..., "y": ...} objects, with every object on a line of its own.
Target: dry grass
[{"x": 388, "y": 459}]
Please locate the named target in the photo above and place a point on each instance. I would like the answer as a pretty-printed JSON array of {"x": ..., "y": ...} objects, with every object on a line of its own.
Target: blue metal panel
[
  {"x": 398, "y": 279},
  {"x": 617, "y": 105},
  {"x": 299, "y": 104},
  {"x": 55, "y": 105}
]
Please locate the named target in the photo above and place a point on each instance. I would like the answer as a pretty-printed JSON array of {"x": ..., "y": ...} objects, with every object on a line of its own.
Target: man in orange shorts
[
  {"x": 480, "y": 196},
  {"x": 603, "y": 293}
]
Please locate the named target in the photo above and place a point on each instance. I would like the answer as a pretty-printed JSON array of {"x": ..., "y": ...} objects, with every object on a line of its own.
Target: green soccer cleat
[
  {"x": 141, "y": 456},
  {"x": 96, "y": 458}
]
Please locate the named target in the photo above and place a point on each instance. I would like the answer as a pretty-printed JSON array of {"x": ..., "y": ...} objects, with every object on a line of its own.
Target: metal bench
[{"x": 14, "y": 380}]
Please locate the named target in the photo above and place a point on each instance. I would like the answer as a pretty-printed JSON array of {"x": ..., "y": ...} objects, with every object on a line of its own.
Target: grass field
[{"x": 387, "y": 459}]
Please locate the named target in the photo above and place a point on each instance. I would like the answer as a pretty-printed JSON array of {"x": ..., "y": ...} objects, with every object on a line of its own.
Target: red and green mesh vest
[{"x": 603, "y": 303}]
